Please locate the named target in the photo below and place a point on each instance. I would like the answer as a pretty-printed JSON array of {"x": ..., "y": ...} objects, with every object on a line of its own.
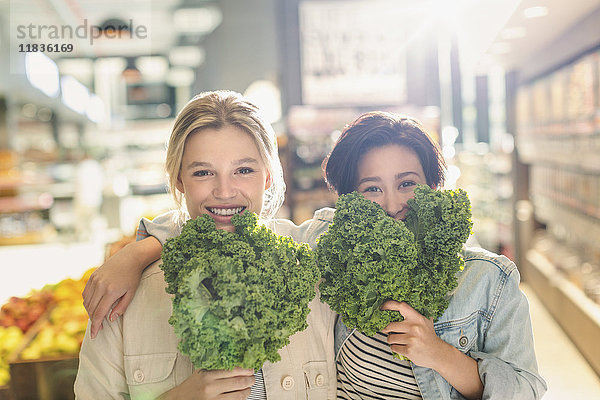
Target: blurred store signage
[{"x": 354, "y": 52}]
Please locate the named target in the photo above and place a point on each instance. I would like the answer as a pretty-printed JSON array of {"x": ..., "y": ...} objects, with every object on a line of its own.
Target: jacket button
[
  {"x": 462, "y": 341},
  {"x": 138, "y": 376},
  {"x": 287, "y": 383},
  {"x": 319, "y": 380}
]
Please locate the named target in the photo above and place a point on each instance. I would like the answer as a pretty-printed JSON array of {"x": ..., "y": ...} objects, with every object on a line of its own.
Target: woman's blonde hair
[{"x": 217, "y": 110}]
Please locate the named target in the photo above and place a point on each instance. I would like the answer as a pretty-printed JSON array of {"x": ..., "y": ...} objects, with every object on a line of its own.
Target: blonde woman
[{"x": 221, "y": 160}]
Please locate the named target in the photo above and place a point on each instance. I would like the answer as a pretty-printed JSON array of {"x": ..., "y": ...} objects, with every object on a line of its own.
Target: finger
[
  {"x": 396, "y": 327},
  {"x": 121, "y": 306},
  {"x": 405, "y": 310},
  {"x": 94, "y": 336},
  {"x": 236, "y": 383},
  {"x": 224, "y": 373},
  {"x": 99, "y": 314},
  {"x": 392, "y": 305},
  {"x": 400, "y": 349},
  {"x": 94, "y": 299},
  {"x": 239, "y": 395},
  {"x": 397, "y": 338},
  {"x": 87, "y": 294}
]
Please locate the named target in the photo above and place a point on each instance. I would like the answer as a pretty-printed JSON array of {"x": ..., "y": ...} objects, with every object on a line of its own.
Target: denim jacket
[{"x": 487, "y": 319}]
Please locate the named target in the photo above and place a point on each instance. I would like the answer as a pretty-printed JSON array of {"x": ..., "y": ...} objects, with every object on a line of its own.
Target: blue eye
[
  {"x": 201, "y": 173},
  {"x": 245, "y": 170}
]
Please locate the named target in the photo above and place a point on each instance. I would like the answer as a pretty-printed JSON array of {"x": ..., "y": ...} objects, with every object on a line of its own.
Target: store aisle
[{"x": 567, "y": 373}]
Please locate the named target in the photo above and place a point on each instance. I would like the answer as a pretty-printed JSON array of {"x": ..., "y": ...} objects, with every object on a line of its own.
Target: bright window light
[
  {"x": 500, "y": 48},
  {"x": 267, "y": 97},
  {"x": 535, "y": 12},
  {"x": 74, "y": 94},
  {"x": 516, "y": 32},
  {"x": 452, "y": 175},
  {"x": 42, "y": 73},
  {"x": 95, "y": 109}
]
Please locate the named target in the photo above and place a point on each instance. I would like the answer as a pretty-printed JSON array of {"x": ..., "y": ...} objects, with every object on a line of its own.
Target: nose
[
  {"x": 394, "y": 205},
  {"x": 224, "y": 188}
]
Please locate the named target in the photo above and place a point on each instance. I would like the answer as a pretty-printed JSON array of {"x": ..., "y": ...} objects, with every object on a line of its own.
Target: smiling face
[
  {"x": 222, "y": 174},
  {"x": 388, "y": 175}
]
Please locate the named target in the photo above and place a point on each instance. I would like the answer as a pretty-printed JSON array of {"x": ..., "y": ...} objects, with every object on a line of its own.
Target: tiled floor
[{"x": 568, "y": 375}]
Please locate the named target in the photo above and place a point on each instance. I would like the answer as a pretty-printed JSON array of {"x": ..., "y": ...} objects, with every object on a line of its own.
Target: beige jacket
[{"x": 136, "y": 356}]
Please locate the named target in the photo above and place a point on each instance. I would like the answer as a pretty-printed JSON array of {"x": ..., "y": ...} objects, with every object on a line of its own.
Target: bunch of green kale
[
  {"x": 366, "y": 257},
  {"x": 238, "y": 295}
]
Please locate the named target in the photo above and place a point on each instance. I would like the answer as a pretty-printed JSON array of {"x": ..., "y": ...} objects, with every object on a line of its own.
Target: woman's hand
[
  {"x": 414, "y": 337},
  {"x": 111, "y": 284},
  {"x": 214, "y": 385},
  {"x": 115, "y": 282}
]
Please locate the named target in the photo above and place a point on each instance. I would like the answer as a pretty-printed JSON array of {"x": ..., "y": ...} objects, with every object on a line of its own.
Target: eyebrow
[
  {"x": 197, "y": 164},
  {"x": 378, "y": 179}
]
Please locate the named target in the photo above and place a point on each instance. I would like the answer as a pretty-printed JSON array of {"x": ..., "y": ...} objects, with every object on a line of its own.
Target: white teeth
[{"x": 225, "y": 211}]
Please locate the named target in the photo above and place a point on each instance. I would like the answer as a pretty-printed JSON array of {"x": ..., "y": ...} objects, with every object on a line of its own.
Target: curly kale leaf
[
  {"x": 238, "y": 296},
  {"x": 366, "y": 257}
]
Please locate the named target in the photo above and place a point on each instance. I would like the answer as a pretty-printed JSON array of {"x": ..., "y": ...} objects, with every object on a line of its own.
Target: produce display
[
  {"x": 238, "y": 295},
  {"x": 46, "y": 323},
  {"x": 63, "y": 331},
  {"x": 24, "y": 311},
  {"x": 366, "y": 257},
  {"x": 10, "y": 338}
]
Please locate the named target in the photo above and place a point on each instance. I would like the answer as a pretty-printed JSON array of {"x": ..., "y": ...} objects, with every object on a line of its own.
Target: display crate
[
  {"x": 5, "y": 393},
  {"x": 47, "y": 378},
  {"x": 44, "y": 379}
]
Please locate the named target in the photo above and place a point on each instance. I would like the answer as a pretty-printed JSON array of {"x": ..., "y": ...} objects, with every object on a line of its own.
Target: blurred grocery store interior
[{"x": 89, "y": 90}]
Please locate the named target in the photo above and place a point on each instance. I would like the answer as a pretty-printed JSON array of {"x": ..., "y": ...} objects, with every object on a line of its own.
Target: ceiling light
[
  {"x": 187, "y": 56},
  {"x": 95, "y": 109},
  {"x": 180, "y": 77},
  {"x": 110, "y": 66},
  {"x": 516, "y": 32},
  {"x": 152, "y": 68},
  {"x": 500, "y": 48},
  {"x": 74, "y": 94},
  {"x": 201, "y": 20},
  {"x": 42, "y": 73},
  {"x": 535, "y": 12},
  {"x": 79, "y": 68},
  {"x": 267, "y": 96}
]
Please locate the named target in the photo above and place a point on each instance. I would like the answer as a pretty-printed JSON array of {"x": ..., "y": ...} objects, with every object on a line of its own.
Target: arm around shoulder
[{"x": 117, "y": 280}]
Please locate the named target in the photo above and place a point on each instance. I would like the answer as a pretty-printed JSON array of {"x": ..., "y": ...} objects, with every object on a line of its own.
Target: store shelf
[
  {"x": 558, "y": 140},
  {"x": 559, "y": 150},
  {"x": 578, "y": 315},
  {"x": 568, "y": 223}
]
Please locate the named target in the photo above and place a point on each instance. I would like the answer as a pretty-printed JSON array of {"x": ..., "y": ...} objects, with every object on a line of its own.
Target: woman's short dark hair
[{"x": 377, "y": 129}]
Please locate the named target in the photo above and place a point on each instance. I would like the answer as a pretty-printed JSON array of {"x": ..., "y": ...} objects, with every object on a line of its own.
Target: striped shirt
[
  {"x": 258, "y": 390},
  {"x": 367, "y": 369}
]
